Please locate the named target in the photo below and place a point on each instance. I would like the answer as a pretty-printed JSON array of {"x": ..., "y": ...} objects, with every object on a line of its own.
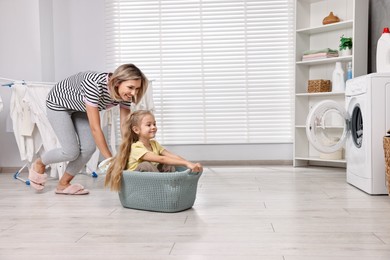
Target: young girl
[
  {"x": 140, "y": 152},
  {"x": 73, "y": 107}
]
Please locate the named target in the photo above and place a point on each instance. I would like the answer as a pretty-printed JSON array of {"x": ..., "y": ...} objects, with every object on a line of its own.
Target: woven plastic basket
[
  {"x": 386, "y": 148},
  {"x": 159, "y": 191}
]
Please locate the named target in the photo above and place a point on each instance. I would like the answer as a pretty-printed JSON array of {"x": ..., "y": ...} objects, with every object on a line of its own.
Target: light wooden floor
[{"x": 257, "y": 212}]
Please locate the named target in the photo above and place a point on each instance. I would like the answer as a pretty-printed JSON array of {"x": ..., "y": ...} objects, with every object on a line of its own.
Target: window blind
[{"x": 223, "y": 71}]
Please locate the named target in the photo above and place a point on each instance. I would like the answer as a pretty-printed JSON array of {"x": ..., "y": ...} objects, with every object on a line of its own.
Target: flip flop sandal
[{"x": 73, "y": 189}]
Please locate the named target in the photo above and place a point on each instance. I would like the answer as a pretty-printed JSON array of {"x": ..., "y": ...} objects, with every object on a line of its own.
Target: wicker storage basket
[
  {"x": 318, "y": 85},
  {"x": 386, "y": 148},
  {"x": 159, "y": 191}
]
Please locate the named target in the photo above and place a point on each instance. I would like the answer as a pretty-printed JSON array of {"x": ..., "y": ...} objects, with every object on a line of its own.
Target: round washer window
[{"x": 357, "y": 126}]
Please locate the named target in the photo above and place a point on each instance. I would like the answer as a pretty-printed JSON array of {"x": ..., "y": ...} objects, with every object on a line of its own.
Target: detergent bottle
[
  {"x": 338, "y": 80},
  {"x": 383, "y": 52},
  {"x": 349, "y": 70}
]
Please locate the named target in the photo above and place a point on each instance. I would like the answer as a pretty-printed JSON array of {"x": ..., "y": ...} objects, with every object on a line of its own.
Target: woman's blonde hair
[
  {"x": 123, "y": 73},
  {"x": 120, "y": 160}
]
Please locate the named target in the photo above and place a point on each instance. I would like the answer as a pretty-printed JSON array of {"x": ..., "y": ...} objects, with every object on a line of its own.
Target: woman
[{"x": 73, "y": 107}]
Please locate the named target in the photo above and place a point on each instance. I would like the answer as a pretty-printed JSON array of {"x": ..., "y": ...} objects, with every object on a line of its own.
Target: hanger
[{"x": 13, "y": 83}]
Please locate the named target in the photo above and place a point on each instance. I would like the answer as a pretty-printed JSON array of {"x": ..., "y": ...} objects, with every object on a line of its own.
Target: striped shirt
[{"x": 74, "y": 92}]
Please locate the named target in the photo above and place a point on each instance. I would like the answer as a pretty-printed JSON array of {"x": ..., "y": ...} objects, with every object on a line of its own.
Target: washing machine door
[{"x": 327, "y": 126}]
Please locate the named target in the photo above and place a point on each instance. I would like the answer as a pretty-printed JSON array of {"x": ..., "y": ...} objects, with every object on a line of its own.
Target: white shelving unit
[{"x": 311, "y": 34}]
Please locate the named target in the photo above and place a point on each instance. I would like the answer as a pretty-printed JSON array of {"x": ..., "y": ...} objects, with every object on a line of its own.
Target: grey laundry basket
[{"x": 159, "y": 191}]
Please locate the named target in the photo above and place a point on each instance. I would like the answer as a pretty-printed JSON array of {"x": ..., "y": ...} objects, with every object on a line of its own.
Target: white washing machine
[{"x": 359, "y": 127}]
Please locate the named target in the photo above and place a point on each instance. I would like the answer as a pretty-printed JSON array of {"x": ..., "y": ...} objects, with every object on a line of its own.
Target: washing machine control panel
[{"x": 356, "y": 86}]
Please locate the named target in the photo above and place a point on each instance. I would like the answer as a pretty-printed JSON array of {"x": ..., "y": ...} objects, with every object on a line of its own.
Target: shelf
[
  {"x": 328, "y": 127},
  {"x": 318, "y": 159},
  {"x": 327, "y": 28},
  {"x": 324, "y": 61},
  {"x": 310, "y": 34},
  {"x": 311, "y": 1},
  {"x": 321, "y": 94}
]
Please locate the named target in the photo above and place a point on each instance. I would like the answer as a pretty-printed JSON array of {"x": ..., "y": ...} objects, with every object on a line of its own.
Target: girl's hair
[
  {"x": 123, "y": 73},
  {"x": 120, "y": 160}
]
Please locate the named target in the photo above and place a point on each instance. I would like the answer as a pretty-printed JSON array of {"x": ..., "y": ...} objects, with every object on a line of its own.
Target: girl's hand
[{"x": 195, "y": 167}]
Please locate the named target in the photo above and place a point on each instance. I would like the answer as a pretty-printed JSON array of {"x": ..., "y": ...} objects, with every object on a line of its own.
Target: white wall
[
  {"x": 47, "y": 40},
  {"x": 78, "y": 36},
  {"x": 20, "y": 58}
]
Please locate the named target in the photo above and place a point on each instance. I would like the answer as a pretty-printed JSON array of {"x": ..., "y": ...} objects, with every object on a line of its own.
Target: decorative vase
[{"x": 331, "y": 18}]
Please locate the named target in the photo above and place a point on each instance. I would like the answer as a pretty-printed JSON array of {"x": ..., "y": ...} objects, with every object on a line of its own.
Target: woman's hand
[{"x": 103, "y": 166}]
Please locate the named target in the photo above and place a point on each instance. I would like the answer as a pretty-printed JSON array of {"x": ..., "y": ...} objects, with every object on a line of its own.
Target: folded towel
[
  {"x": 316, "y": 56},
  {"x": 322, "y": 54},
  {"x": 326, "y": 50}
]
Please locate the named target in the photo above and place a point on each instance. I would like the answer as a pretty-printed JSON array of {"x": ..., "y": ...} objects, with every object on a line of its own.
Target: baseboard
[
  {"x": 10, "y": 169},
  {"x": 204, "y": 163},
  {"x": 246, "y": 163}
]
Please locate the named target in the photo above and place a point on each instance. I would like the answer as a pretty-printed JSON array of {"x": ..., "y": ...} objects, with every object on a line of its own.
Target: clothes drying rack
[{"x": 17, "y": 174}]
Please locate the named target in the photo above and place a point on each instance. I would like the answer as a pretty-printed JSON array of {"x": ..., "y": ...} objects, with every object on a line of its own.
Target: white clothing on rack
[
  {"x": 36, "y": 99},
  {"x": 32, "y": 130},
  {"x": 21, "y": 122}
]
